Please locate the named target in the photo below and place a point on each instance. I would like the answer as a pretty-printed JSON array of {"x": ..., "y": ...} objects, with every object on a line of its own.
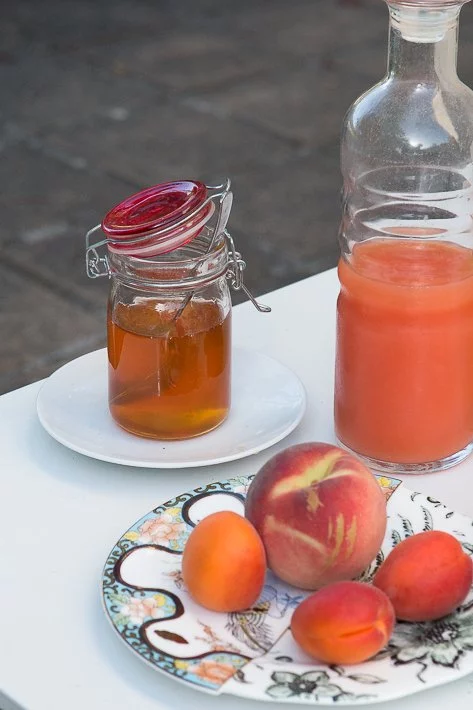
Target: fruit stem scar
[{"x": 313, "y": 500}]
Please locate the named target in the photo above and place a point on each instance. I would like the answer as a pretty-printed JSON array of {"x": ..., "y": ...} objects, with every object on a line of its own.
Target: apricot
[
  {"x": 426, "y": 576},
  {"x": 345, "y": 622},
  {"x": 224, "y": 563},
  {"x": 320, "y": 513}
]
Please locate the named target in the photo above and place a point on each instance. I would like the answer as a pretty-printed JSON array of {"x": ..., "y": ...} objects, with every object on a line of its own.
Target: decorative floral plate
[{"x": 252, "y": 654}]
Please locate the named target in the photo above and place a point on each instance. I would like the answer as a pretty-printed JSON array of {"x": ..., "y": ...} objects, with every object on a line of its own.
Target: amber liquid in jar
[{"x": 169, "y": 379}]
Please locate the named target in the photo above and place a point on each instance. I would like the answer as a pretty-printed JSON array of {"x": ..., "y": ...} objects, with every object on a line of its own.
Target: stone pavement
[{"x": 103, "y": 97}]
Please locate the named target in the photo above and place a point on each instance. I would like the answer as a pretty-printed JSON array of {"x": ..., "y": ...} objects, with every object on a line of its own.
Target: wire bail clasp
[
  {"x": 95, "y": 264},
  {"x": 161, "y": 237},
  {"x": 235, "y": 274}
]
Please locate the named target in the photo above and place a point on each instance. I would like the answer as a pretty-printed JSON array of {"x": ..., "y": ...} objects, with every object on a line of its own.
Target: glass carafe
[{"x": 404, "y": 365}]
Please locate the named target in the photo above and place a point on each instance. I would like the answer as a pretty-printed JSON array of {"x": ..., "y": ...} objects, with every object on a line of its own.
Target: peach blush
[
  {"x": 320, "y": 513},
  {"x": 345, "y": 622},
  {"x": 426, "y": 576}
]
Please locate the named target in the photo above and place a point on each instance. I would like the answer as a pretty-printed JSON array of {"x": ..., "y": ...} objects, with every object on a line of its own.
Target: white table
[{"x": 61, "y": 512}]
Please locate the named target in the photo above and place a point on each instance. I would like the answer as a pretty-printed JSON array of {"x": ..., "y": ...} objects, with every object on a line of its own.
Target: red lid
[
  {"x": 154, "y": 208},
  {"x": 153, "y": 211}
]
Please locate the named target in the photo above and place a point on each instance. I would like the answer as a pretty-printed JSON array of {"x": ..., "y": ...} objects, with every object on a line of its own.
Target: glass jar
[
  {"x": 169, "y": 309},
  {"x": 404, "y": 372}
]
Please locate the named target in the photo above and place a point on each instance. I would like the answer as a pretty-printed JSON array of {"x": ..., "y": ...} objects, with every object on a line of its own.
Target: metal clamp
[
  {"x": 235, "y": 274},
  {"x": 95, "y": 265}
]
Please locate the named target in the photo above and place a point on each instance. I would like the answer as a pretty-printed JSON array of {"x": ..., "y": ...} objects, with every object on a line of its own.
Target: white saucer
[{"x": 268, "y": 402}]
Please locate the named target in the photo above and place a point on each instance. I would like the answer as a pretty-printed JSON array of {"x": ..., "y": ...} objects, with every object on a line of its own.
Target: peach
[
  {"x": 426, "y": 576},
  {"x": 320, "y": 513},
  {"x": 224, "y": 563},
  {"x": 345, "y": 622}
]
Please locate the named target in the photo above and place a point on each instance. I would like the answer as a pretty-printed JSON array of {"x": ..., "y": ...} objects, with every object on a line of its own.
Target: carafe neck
[{"x": 423, "y": 41}]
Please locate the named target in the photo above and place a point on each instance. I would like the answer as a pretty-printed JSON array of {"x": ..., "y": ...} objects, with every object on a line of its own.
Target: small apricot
[
  {"x": 224, "y": 563},
  {"x": 426, "y": 576},
  {"x": 344, "y": 622}
]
